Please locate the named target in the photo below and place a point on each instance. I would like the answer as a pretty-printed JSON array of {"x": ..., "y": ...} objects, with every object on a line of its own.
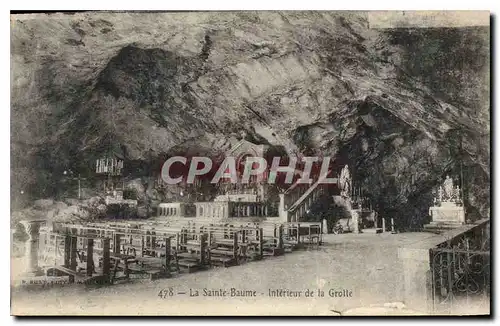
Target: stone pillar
[
  {"x": 283, "y": 213},
  {"x": 355, "y": 221},
  {"x": 325, "y": 226},
  {"x": 416, "y": 279},
  {"x": 393, "y": 230},
  {"x": 383, "y": 224},
  {"x": 249, "y": 212},
  {"x": 265, "y": 210},
  {"x": 33, "y": 230}
]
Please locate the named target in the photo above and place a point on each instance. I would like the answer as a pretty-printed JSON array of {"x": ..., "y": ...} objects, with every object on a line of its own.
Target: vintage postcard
[{"x": 322, "y": 163}]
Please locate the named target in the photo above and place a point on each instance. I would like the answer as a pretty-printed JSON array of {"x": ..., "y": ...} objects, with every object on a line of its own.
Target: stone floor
[{"x": 363, "y": 265}]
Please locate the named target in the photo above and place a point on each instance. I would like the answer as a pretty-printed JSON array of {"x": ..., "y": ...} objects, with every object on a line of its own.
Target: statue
[
  {"x": 448, "y": 192},
  {"x": 345, "y": 182},
  {"x": 448, "y": 188}
]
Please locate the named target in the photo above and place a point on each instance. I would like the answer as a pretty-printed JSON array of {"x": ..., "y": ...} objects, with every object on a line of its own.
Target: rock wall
[{"x": 145, "y": 85}]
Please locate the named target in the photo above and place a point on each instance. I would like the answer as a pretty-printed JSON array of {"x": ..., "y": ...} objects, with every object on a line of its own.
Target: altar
[{"x": 448, "y": 209}]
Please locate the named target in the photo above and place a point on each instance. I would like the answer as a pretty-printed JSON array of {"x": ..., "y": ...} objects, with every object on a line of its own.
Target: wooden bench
[
  {"x": 223, "y": 245},
  {"x": 132, "y": 249},
  {"x": 156, "y": 274},
  {"x": 310, "y": 233},
  {"x": 64, "y": 270},
  {"x": 304, "y": 233},
  {"x": 192, "y": 251},
  {"x": 224, "y": 252},
  {"x": 189, "y": 255},
  {"x": 70, "y": 272},
  {"x": 223, "y": 261},
  {"x": 289, "y": 246},
  {"x": 188, "y": 265},
  {"x": 249, "y": 239},
  {"x": 273, "y": 239},
  {"x": 150, "y": 269},
  {"x": 225, "y": 242},
  {"x": 291, "y": 233},
  {"x": 152, "y": 266}
]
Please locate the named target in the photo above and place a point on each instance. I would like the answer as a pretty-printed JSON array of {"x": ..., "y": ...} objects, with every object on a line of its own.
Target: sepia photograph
[{"x": 250, "y": 163}]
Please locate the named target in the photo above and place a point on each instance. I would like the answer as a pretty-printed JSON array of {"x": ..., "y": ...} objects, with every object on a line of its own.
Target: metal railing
[{"x": 461, "y": 272}]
